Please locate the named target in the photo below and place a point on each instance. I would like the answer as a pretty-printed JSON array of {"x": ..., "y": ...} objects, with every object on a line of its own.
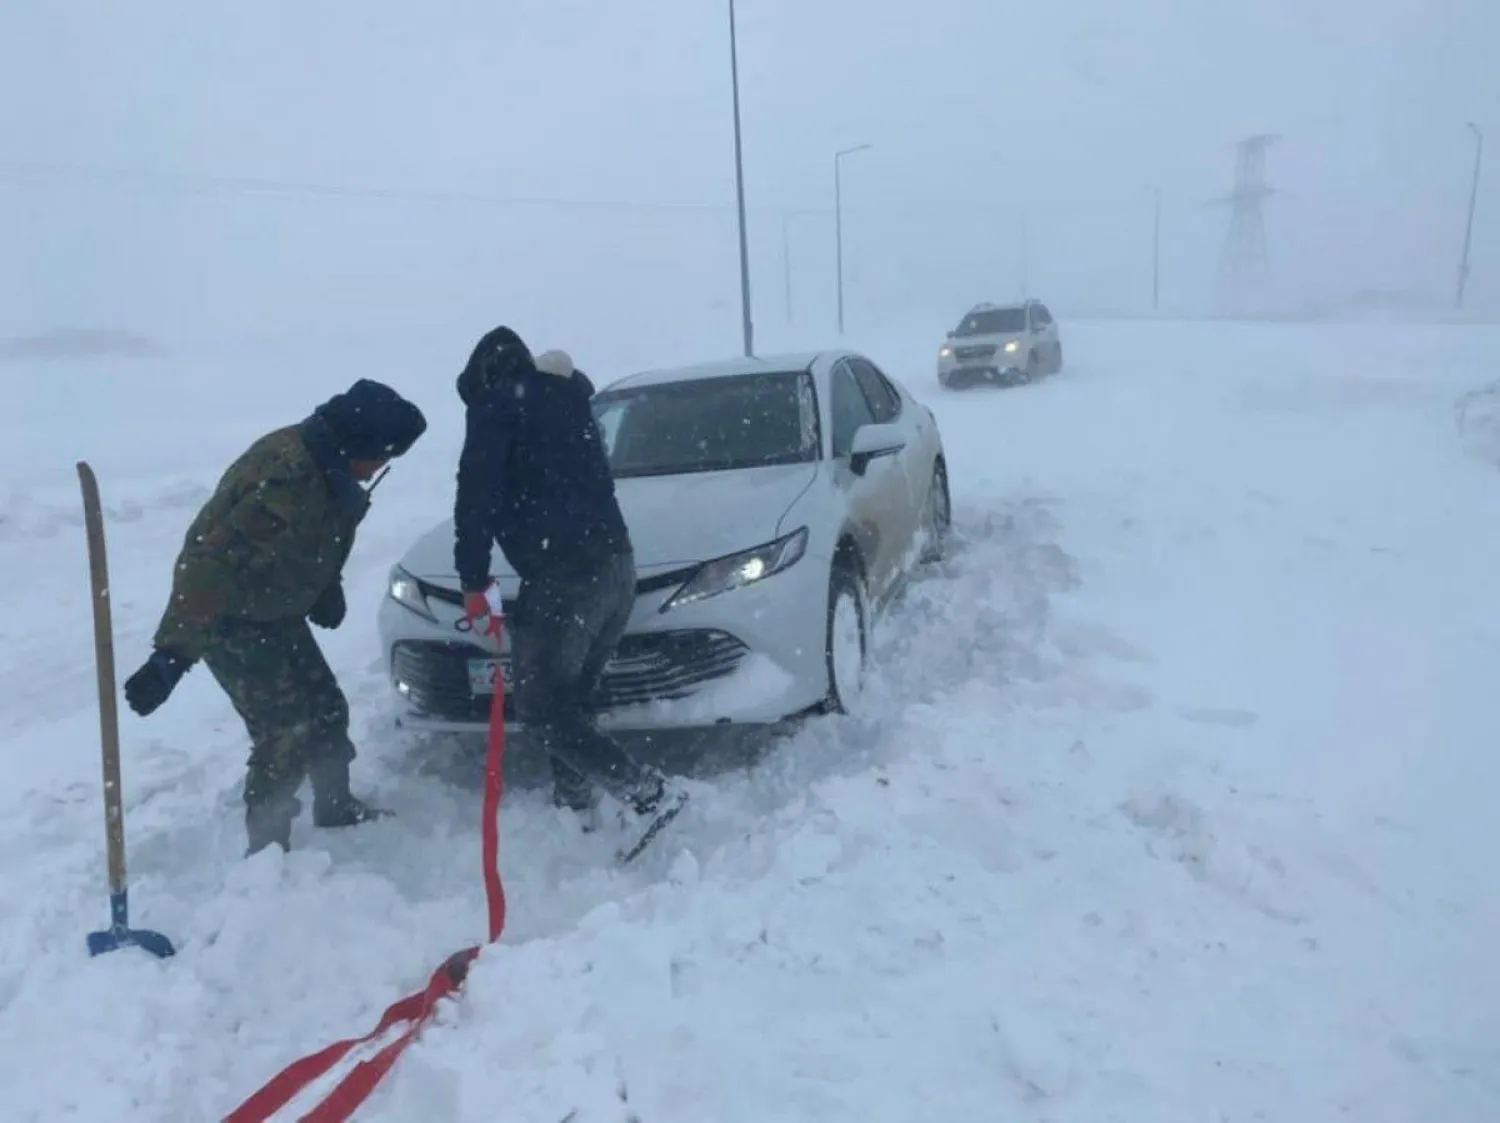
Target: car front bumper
[
  {"x": 1000, "y": 364},
  {"x": 751, "y": 656}
]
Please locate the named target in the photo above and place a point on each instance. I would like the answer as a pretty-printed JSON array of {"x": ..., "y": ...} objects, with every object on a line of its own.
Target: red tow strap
[{"x": 415, "y": 1009}]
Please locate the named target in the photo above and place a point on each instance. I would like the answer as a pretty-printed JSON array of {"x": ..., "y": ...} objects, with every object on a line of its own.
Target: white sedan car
[{"x": 775, "y": 505}]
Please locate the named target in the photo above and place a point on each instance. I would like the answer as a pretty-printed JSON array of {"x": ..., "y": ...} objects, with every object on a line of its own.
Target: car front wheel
[
  {"x": 937, "y": 516},
  {"x": 847, "y": 634}
]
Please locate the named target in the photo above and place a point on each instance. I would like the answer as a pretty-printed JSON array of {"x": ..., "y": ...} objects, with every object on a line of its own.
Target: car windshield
[
  {"x": 994, "y": 321},
  {"x": 709, "y": 424}
]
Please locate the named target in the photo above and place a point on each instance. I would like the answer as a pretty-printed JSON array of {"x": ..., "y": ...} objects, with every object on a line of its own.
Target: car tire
[
  {"x": 1033, "y": 368},
  {"x": 846, "y": 637},
  {"x": 937, "y": 516}
]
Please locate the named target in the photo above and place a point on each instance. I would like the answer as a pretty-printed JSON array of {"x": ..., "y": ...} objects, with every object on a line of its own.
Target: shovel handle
[{"x": 104, "y": 661}]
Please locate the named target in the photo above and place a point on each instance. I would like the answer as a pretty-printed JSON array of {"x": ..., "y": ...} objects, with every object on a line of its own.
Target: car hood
[{"x": 673, "y": 520}]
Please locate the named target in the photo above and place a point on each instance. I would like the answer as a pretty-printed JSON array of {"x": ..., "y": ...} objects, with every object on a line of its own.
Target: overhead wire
[{"x": 41, "y": 174}]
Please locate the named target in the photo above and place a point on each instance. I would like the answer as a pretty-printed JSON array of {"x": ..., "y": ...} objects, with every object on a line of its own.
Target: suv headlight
[
  {"x": 945, "y": 351},
  {"x": 1012, "y": 346},
  {"x": 738, "y": 570},
  {"x": 406, "y": 591}
]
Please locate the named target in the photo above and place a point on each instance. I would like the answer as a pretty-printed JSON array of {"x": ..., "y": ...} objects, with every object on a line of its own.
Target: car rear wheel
[{"x": 847, "y": 647}]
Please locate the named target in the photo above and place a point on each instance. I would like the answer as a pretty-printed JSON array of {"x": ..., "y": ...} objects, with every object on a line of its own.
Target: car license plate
[{"x": 482, "y": 675}]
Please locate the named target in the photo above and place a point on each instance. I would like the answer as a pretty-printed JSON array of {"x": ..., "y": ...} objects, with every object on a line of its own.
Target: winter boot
[
  {"x": 270, "y": 821},
  {"x": 333, "y": 804},
  {"x": 575, "y": 792}
]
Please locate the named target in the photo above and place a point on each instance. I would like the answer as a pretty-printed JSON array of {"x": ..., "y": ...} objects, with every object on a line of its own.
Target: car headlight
[
  {"x": 1012, "y": 346},
  {"x": 944, "y": 351},
  {"x": 406, "y": 591},
  {"x": 738, "y": 570}
]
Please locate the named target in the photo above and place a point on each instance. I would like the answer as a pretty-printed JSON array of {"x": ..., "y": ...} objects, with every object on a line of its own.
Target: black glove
[
  {"x": 150, "y": 686},
  {"x": 328, "y": 610}
]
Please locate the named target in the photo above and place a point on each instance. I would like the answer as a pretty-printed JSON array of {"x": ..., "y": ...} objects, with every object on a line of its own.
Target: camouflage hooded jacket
[{"x": 275, "y": 534}]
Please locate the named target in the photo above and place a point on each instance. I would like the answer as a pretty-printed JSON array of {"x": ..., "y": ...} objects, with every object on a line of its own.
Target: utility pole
[
  {"x": 1242, "y": 266},
  {"x": 739, "y": 187},
  {"x": 1155, "y": 249},
  {"x": 1463, "y": 265},
  {"x": 838, "y": 224},
  {"x": 786, "y": 259}
]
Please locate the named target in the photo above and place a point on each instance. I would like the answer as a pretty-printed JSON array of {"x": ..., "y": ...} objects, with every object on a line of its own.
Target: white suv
[{"x": 1005, "y": 342}]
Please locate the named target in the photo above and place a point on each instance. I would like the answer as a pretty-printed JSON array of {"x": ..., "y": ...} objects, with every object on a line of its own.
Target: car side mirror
[
  {"x": 953, "y": 335},
  {"x": 874, "y": 441}
]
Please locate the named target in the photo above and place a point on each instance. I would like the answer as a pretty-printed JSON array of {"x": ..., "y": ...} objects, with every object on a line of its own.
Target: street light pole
[
  {"x": 739, "y": 187},
  {"x": 838, "y": 223},
  {"x": 1025, "y": 254},
  {"x": 1463, "y": 266},
  {"x": 1155, "y": 249},
  {"x": 786, "y": 258}
]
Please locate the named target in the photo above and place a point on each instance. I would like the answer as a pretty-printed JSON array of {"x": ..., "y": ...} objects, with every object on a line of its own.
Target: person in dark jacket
[
  {"x": 262, "y": 558},
  {"x": 534, "y": 479}
]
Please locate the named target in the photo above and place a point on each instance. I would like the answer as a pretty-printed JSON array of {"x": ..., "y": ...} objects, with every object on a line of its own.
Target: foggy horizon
[{"x": 191, "y": 174}]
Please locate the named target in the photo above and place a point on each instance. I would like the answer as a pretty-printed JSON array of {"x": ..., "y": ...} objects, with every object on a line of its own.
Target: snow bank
[{"x": 1170, "y": 800}]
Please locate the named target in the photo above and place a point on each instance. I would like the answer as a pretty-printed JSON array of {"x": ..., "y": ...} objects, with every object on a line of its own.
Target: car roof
[
  {"x": 724, "y": 368},
  {"x": 1015, "y": 306}
]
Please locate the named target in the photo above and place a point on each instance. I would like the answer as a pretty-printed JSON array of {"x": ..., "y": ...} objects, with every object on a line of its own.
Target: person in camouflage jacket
[{"x": 263, "y": 557}]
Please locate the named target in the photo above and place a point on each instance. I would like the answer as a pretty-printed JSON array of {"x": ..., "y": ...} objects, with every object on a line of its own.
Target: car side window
[
  {"x": 885, "y": 403},
  {"x": 1040, "y": 316},
  {"x": 849, "y": 409}
]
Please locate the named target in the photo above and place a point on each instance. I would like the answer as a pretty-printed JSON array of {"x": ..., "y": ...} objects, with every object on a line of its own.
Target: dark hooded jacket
[
  {"x": 279, "y": 527},
  {"x": 533, "y": 477}
]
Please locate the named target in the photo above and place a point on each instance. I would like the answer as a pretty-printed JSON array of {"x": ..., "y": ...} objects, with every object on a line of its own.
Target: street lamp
[
  {"x": 838, "y": 222},
  {"x": 739, "y": 187},
  {"x": 1463, "y": 265}
]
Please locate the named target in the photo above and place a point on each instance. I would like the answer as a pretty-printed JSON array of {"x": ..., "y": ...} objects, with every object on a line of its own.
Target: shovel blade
[
  {"x": 113, "y": 939},
  {"x": 120, "y": 934}
]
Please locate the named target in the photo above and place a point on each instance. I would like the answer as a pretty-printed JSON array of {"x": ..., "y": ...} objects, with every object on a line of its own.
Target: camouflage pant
[{"x": 293, "y": 709}]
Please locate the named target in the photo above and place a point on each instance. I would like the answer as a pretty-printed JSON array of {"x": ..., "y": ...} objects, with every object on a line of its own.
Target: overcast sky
[{"x": 977, "y": 111}]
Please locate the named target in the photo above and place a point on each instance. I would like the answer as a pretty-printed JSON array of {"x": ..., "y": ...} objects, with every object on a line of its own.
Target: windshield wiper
[{"x": 708, "y": 466}]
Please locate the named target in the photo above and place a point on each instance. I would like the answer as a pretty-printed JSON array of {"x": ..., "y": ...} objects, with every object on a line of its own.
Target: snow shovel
[{"x": 119, "y": 934}]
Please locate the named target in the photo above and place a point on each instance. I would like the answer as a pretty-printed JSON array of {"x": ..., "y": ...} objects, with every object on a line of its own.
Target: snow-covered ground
[{"x": 1173, "y": 801}]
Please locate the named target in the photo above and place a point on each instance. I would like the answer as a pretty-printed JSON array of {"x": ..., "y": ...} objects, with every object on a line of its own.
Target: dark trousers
[
  {"x": 290, "y": 702},
  {"x": 563, "y": 631}
]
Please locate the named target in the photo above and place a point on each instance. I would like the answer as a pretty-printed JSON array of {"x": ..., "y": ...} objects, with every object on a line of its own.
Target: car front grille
[
  {"x": 979, "y": 351},
  {"x": 643, "y": 585},
  {"x": 647, "y": 667}
]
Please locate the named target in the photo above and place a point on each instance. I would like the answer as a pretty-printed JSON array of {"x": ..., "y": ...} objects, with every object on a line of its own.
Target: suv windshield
[
  {"x": 995, "y": 321},
  {"x": 709, "y": 424}
]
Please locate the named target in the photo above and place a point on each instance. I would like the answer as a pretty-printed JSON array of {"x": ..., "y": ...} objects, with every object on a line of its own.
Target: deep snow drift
[{"x": 1172, "y": 800}]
